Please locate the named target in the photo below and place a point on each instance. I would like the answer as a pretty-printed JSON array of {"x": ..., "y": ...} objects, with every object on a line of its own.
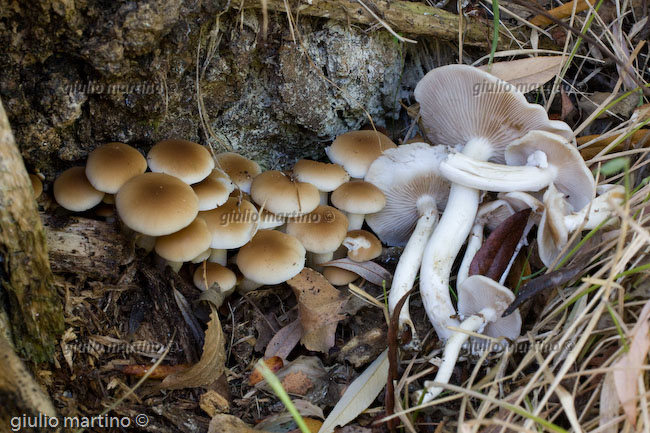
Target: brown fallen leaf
[
  {"x": 527, "y": 74},
  {"x": 493, "y": 257},
  {"x": 319, "y": 305},
  {"x": 594, "y": 148},
  {"x": 297, "y": 383},
  {"x": 370, "y": 271},
  {"x": 160, "y": 372},
  {"x": 222, "y": 423},
  {"x": 274, "y": 364},
  {"x": 210, "y": 366},
  {"x": 561, "y": 12},
  {"x": 284, "y": 340},
  {"x": 283, "y": 420},
  {"x": 313, "y": 425},
  {"x": 628, "y": 369}
]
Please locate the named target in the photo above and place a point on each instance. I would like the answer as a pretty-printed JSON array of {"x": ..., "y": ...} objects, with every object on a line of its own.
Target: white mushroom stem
[
  {"x": 218, "y": 256},
  {"x": 408, "y": 266},
  {"x": 176, "y": 266},
  {"x": 473, "y": 245},
  {"x": 145, "y": 242},
  {"x": 355, "y": 220},
  {"x": 473, "y": 323},
  {"x": 324, "y": 197},
  {"x": 598, "y": 211},
  {"x": 464, "y": 170},
  {"x": 246, "y": 285},
  {"x": 315, "y": 260}
]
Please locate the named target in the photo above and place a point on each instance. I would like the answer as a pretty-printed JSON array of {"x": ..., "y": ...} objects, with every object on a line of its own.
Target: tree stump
[{"x": 27, "y": 284}]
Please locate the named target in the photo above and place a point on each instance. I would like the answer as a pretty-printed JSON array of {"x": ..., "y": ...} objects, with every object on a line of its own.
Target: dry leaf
[
  {"x": 213, "y": 403},
  {"x": 297, "y": 383},
  {"x": 609, "y": 405},
  {"x": 493, "y": 257},
  {"x": 222, "y": 423},
  {"x": 304, "y": 366},
  {"x": 628, "y": 369},
  {"x": 370, "y": 271},
  {"x": 359, "y": 395},
  {"x": 210, "y": 366},
  {"x": 279, "y": 421},
  {"x": 313, "y": 425},
  {"x": 284, "y": 340},
  {"x": 274, "y": 364},
  {"x": 527, "y": 74},
  {"x": 563, "y": 11},
  {"x": 319, "y": 304},
  {"x": 160, "y": 372}
]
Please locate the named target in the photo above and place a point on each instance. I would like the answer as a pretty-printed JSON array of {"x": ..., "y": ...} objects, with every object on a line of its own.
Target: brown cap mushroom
[
  {"x": 156, "y": 204},
  {"x": 37, "y": 185},
  {"x": 73, "y": 191},
  {"x": 110, "y": 165},
  {"x": 241, "y": 170},
  {"x": 212, "y": 273},
  {"x": 356, "y": 150},
  {"x": 214, "y": 190},
  {"x": 337, "y": 276},
  {"x": 362, "y": 245},
  {"x": 185, "y": 244},
  {"x": 321, "y": 231},
  {"x": 326, "y": 177},
  {"x": 282, "y": 195},
  {"x": 186, "y": 160},
  {"x": 358, "y": 198}
]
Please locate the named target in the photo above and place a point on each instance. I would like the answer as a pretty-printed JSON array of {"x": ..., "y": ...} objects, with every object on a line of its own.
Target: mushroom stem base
[{"x": 355, "y": 221}]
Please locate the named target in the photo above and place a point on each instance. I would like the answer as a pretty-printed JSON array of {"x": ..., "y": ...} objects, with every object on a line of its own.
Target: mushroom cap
[
  {"x": 324, "y": 176},
  {"x": 37, "y": 185},
  {"x": 460, "y": 102},
  {"x": 573, "y": 177},
  {"x": 520, "y": 200},
  {"x": 337, "y": 276},
  {"x": 282, "y": 195},
  {"x": 478, "y": 292},
  {"x": 362, "y": 245},
  {"x": 356, "y": 150},
  {"x": 241, "y": 170},
  {"x": 358, "y": 197},
  {"x": 271, "y": 257},
  {"x": 320, "y": 231},
  {"x": 156, "y": 204},
  {"x": 552, "y": 233},
  {"x": 73, "y": 191},
  {"x": 110, "y": 165},
  {"x": 493, "y": 213},
  {"x": 185, "y": 244},
  {"x": 410, "y": 179},
  {"x": 269, "y": 220},
  {"x": 214, "y": 273},
  {"x": 214, "y": 190},
  {"x": 188, "y": 161},
  {"x": 231, "y": 224}
]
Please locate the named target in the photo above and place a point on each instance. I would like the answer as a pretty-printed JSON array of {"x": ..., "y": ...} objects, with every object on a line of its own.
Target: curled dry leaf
[
  {"x": 370, "y": 271},
  {"x": 284, "y": 340},
  {"x": 528, "y": 74},
  {"x": 319, "y": 304},
  {"x": 210, "y": 366},
  {"x": 628, "y": 369}
]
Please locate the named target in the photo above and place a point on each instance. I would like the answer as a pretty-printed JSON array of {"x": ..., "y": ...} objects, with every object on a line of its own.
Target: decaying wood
[
  {"x": 402, "y": 16},
  {"x": 35, "y": 308},
  {"x": 86, "y": 246}
]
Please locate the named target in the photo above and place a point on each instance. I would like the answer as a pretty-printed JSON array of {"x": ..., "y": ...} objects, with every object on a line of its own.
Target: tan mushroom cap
[
  {"x": 320, "y": 231},
  {"x": 271, "y": 257},
  {"x": 270, "y": 220},
  {"x": 73, "y": 191},
  {"x": 241, "y": 170},
  {"x": 156, "y": 204},
  {"x": 281, "y": 195},
  {"x": 478, "y": 292},
  {"x": 231, "y": 224},
  {"x": 362, "y": 245},
  {"x": 324, "y": 176},
  {"x": 356, "y": 150},
  {"x": 214, "y": 190},
  {"x": 110, "y": 165},
  {"x": 573, "y": 177},
  {"x": 338, "y": 277},
  {"x": 185, "y": 244},
  {"x": 358, "y": 197},
  {"x": 214, "y": 273},
  {"x": 37, "y": 185},
  {"x": 186, "y": 160}
]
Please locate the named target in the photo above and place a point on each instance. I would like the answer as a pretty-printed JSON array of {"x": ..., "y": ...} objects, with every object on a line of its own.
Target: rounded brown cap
[
  {"x": 241, "y": 170},
  {"x": 324, "y": 176},
  {"x": 358, "y": 197},
  {"x": 271, "y": 257},
  {"x": 37, "y": 185},
  {"x": 282, "y": 195},
  {"x": 185, "y": 244},
  {"x": 356, "y": 150},
  {"x": 362, "y": 245},
  {"x": 337, "y": 276},
  {"x": 110, "y": 165},
  {"x": 214, "y": 190},
  {"x": 320, "y": 231},
  {"x": 478, "y": 292},
  {"x": 156, "y": 204},
  {"x": 212, "y": 273},
  {"x": 231, "y": 224},
  {"x": 186, "y": 160},
  {"x": 270, "y": 220},
  {"x": 73, "y": 191}
]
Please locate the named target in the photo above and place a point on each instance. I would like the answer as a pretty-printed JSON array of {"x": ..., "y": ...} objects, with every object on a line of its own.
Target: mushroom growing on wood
[
  {"x": 185, "y": 244},
  {"x": 214, "y": 190},
  {"x": 112, "y": 164},
  {"x": 465, "y": 107},
  {"x": 241, "y": 170},
  {"x": 481, "y": 302},
  {"x": 282, "y": 195},
  {"x": 358, "y": 198},
  {"x": 356, "y": 150},
  {"x": 186, "y": 160},
  {"x": 326, "y": 177},
  {"x": 73, "y": 191}
]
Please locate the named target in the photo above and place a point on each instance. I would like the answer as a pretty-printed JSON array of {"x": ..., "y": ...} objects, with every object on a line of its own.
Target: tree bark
[{"x": 34, "y": 307}]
